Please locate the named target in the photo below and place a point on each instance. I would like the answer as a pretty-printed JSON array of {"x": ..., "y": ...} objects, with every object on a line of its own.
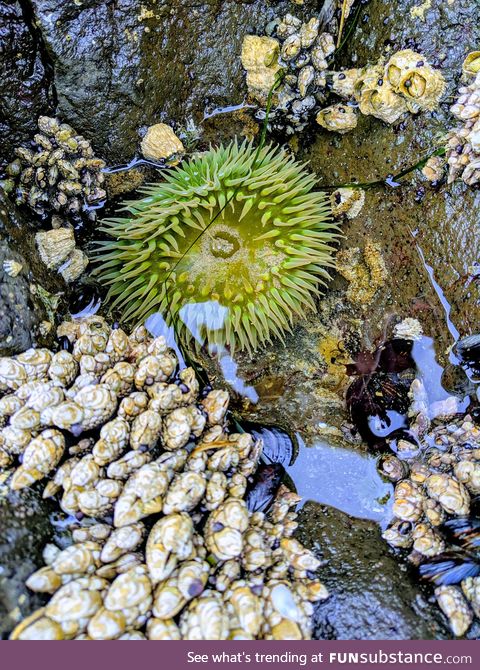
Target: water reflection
[
  {"x": 431, "y": 372},
  {"x": 203, "y": 319},
  {"x": 229, "y": 369},
  {"x": 342, "y": 478},
  {"x": 90, "y": 309},
  {"x": 157, "y": 326}
]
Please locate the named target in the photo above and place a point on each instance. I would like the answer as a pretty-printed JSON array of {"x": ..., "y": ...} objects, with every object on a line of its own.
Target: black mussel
[
  {"x": 450, "y": 567},
  {"x": 475, "y": 506},
  {"x": 262, "y": 491},
  {"x": 378, "y": 406},
  {"x": 468, "y": 350},
  {"x": 463, "y": 530},
  {"x": 64, "y": 343},
  {"x": 278, "y": 446},
  {"x": 455, "y": 380}
]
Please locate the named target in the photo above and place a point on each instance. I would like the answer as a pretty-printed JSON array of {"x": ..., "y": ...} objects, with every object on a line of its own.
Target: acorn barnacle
[{"x": 230, "y": 247}]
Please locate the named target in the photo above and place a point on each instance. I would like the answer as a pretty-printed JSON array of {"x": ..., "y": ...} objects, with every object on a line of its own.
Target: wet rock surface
[
  {"x": 27, "y": 299},
  {"x": 427, "y": 235},
  {"x": 123, "y": 66},
  {"x": 372, "y": 596},
  {"x": 25, "y": 76},
  {"x": 16, "y": 320},
  {"x": 119, "y": 67},
  {"x": 422, "y": 229}
]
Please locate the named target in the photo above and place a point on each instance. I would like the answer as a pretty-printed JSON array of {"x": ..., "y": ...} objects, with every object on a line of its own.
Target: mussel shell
[
  {"x": 85, "y": 300},
  {"x": 468, "y": 350},
  {"x": 262, "y": 491},
  {"x": 278, "y": 446},
  {"x": 451, "y": 567},
  {"x": 455, "y": 380},
  {"x": 464, "y": 531}
]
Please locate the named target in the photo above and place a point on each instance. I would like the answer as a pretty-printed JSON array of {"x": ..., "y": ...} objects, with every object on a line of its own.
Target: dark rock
[
  {"x": 25, "y": 88},
  {"x": 25, "y": 529},
  {"x": 29, "y": 298},
  {"x": 16, "y": 318},
  {"x": 372, "y": 595},
  {"x": 131, "y": 63}
]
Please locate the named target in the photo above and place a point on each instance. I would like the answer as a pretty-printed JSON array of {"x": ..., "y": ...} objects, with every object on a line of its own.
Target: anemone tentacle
[{"x": 265, "y": 243}]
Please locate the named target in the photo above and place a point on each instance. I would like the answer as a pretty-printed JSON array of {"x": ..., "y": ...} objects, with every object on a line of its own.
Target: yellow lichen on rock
[
  {"x": 260, "y": 60},
  {"x": 160, "y": 143},
  {"x": 364, "y": 270},
  {"x": 333, "y": 351}
]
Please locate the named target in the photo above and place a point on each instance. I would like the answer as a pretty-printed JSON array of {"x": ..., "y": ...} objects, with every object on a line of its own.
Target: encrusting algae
[
  {"x": 230, "y": 247},
  {"x": 122, "y": 436},
  {"x": 365, "y": 271}
]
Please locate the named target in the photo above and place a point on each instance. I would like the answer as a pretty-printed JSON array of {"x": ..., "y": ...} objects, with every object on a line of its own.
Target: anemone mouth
[
  {"x": 222, "y": 242},
  {"x": 235, "y": 226}
]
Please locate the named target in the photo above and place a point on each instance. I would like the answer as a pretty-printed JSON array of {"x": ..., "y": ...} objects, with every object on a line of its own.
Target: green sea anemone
[{"x": 235, "y": 228}]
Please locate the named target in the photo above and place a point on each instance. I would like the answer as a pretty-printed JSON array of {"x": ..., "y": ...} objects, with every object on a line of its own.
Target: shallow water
[{"x": 342, "y": 478}]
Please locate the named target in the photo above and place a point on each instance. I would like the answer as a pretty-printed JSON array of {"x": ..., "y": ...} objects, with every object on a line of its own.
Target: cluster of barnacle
[
  {"x": 303, "y": 52},
  {"x": 434, "y": 494},
  {"x": 405, "y": 83},
  {"x": 241, "y": 577},
  {"x": 58, "y": 250},
  {"x": 209, "y": 568},
  {"x": 59, "y": 171},
  {"x": 463, "y": 143},
  {"x": 386, "y": 90}
]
